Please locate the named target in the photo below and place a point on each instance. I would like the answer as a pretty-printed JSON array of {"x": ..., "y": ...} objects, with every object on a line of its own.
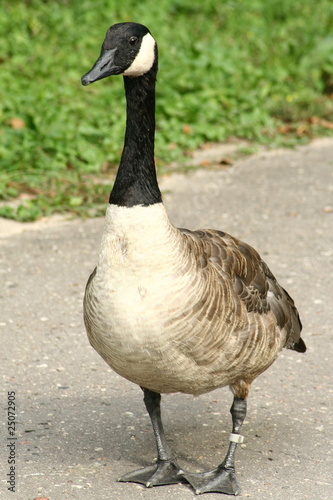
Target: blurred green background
[{"x": 260, "y": 70}]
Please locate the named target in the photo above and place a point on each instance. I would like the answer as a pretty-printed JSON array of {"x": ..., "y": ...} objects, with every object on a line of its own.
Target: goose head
[{"x": 128, "y": 49}]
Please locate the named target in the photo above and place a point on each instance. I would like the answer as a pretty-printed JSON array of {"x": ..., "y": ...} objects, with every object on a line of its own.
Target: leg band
[{"x": 236, "y": 438}]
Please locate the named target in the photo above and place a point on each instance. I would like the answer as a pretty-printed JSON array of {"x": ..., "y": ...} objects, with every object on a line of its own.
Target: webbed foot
[
  {"x": 219, "y": 480},
  {"x": 161, "y": 473}
]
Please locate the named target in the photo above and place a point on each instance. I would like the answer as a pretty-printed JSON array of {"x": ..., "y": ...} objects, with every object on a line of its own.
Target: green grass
[{"x": 259, "y": 70}]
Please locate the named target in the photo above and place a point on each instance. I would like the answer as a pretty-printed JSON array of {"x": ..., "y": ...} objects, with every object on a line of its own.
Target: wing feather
[{"x": 251, "y": 279}]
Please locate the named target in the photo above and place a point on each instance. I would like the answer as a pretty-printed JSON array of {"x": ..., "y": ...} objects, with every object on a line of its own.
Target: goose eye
[{"x": 133, "y": 40}]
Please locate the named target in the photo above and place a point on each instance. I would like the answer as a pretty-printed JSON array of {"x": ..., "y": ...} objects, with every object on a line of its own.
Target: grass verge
[{"x": 260, "y": 70}]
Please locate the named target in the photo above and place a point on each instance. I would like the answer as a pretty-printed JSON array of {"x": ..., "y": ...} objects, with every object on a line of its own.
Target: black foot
[
  {"x": 163, "y": 472},
  {"x": 216, "y": 481}
]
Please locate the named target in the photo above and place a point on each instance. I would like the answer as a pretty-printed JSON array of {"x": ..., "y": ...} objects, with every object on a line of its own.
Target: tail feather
[{"x": 299, "y": 346}]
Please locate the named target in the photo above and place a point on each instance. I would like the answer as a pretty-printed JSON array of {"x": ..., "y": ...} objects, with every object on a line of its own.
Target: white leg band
[{"x": 236, "y": 438}]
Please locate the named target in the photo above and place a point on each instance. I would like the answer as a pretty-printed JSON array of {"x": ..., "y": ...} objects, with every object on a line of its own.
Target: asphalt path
[{"x": 79, "y": 426}]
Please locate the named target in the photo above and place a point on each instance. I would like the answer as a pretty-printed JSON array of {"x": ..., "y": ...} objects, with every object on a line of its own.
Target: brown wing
[{"x": 251, "y": 280}]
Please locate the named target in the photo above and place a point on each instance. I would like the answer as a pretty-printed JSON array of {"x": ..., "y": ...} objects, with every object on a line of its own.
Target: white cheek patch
[{"x": 144, "y": 59}]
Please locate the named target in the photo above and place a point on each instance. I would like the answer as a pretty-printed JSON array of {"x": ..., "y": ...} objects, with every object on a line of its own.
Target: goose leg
[
  {"x": 223, "y": 478},
  {"x": 165, "y": 471}
]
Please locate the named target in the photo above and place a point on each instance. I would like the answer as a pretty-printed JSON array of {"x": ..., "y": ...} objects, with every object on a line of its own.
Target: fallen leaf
[
  {"x": 17, "y": 123},
  {"x": 226, "y": 161},
  {"x": 315, "y": 120},
  {"x": 301, "y": 129},
  {"x": 284, "y": 129},
  {"x": 187, "y": 129}
]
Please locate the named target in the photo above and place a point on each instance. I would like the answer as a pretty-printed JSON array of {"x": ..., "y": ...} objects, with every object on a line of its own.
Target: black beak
[{"x": 103, "y": 67}]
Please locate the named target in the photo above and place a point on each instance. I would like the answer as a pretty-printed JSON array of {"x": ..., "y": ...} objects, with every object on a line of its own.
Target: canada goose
[{"x": 169, "y": 309}]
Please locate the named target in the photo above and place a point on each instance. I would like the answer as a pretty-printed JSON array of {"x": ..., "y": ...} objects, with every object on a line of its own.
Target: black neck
[{"x": 136, "y": 182}]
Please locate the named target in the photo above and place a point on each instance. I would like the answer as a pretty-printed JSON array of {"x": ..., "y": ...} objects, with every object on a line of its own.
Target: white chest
[{"x": 138, "y": 282}]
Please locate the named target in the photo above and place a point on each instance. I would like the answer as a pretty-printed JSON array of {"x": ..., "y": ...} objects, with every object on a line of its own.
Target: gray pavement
[{"x": 80, "y": 426}]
